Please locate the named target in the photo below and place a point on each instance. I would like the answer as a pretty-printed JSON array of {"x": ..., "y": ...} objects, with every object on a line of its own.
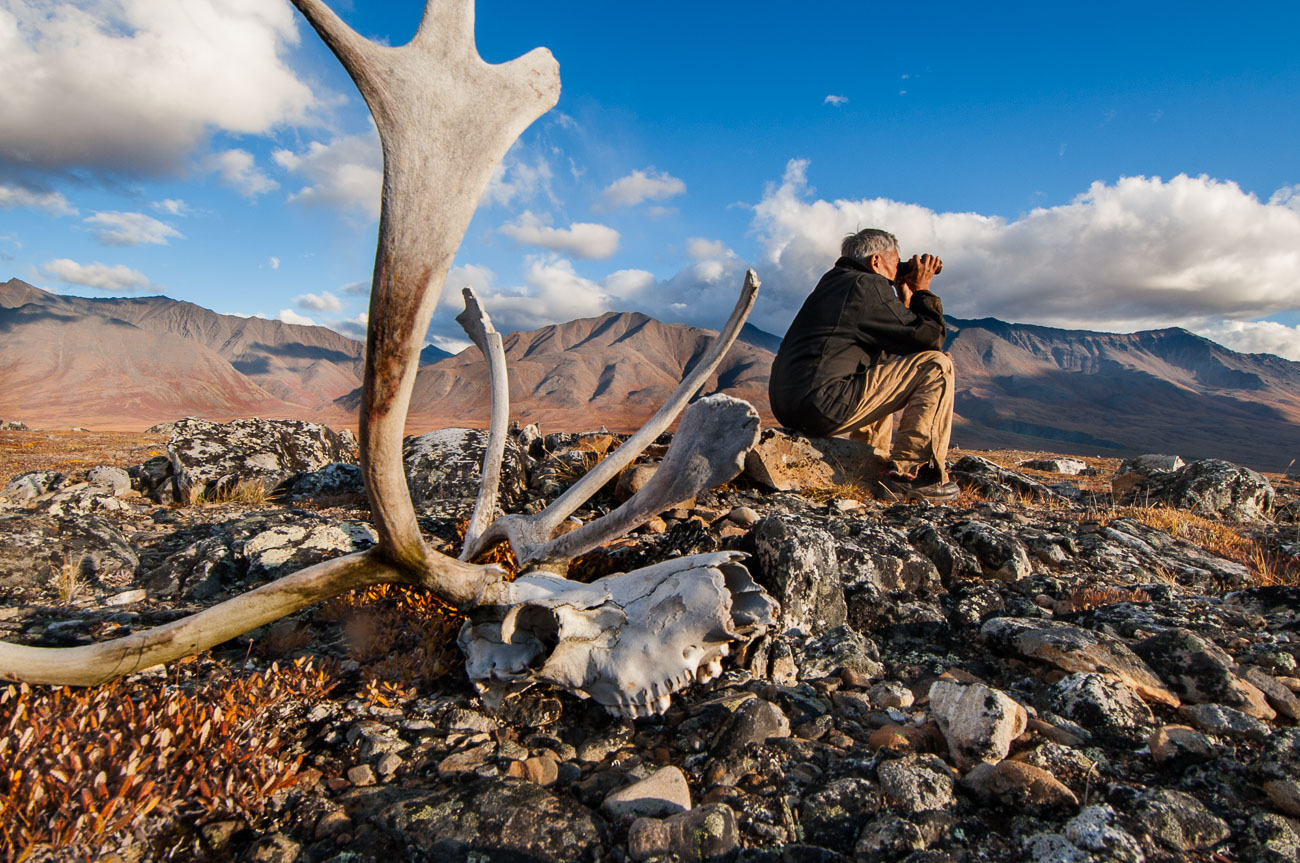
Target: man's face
[{"x": 886, "y": 264}]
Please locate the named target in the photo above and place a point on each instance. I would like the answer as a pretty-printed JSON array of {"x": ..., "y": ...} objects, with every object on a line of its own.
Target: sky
[{"x": 1105, "y": 166}]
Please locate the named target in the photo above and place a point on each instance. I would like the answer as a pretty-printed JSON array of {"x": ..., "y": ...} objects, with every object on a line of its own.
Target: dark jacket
[{"x": 847, "y": 322}]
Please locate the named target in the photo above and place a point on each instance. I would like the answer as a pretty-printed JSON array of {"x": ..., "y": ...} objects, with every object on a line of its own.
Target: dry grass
[
  {"x": 64, "y": 451},
  {"x": 86, "y": 768},
  {"x": 1091, "y": 596},
  {"x": 839, "y": 491}
]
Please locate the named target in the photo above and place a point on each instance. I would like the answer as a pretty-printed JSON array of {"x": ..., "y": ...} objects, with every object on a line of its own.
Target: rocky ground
[{"x": 1077, "y": 660}]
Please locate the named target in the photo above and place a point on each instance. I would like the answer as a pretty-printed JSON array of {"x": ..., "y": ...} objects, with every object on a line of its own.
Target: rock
[
  {"x": 1275, "y": 839},
  {"x": 704, "y": 834},
  {"x": 1103, "y": 705},
  {"x": 335, "y": 478},
  {"x": 1067, "y": 764},
  {"x": 978, "y": 722},
  {"x": 156, "y": 479},
  {"x": 446, "y": 465},
  {"x": 465, "y": 761},
  {"x": 214, "y": 457},
  {"x": 790, "y": 462},
  {"x": 888, "y": 838},
  {"x": 754, "y": 721},
  {"x": 663, "y": 792},
  {"x": 1150, "y": 464},
  {"x": 1200, "y": 672},
  {"x": 1179, "y": 744},
  {"x": 491, "y": 819},
  {"x": 1000, "y": 554},
  {"x": 1097, "y": 829},
  {"x": 1212, "y": 488},
  {"x": 916, "y": 783},
  {"x": 1285, "y": 794},
  {"x": 14, "y": 425},
  {"x": 876, "y": 559},
  {"x": 744, "y": 516},
  {"x": 1017, "y": 785},
  {"x": 1066, "y": 466},
  {"x": 833, "y": 814},
  {"x": 951, "y": 561},
  {"x": 836, "y": 650},
  {"x": 273, "y": 848},
  {"x": 387, "y": 764},
  {"x": 1054, "y": 848},
  {"x": 361, "y": 775},
  {"x": 996, "y": 482},
  {"x": 1280, "y": 699},
  {"x": 1074, "y": 649},
  {"x": 1177, "y": 820},
  {"x": 1224, "y": 721},
  {"x": 26, "y": 487},
  {"x": 796, "y": 563},
  {"x": 890, "y": 693},
  {"x": 53, "y": 559}
]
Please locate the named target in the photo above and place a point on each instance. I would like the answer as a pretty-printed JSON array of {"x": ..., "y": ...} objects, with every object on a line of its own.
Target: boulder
[
  {"x": 26, "y": 487},
  {"x": 916, "y": 783},
  {"x": 1213, "y": 488},
  {"x": 786, "y": 461},
  {"x": 14, "y": 425},
  {"x": 1199, "y": 672},
  {"x": 795, "y": 562},
  {"x": 1066, "y": 466},
  {"x": 1000, "y": 554},
  {"x": 216, "y": 457},
  {"x": 335, "y": 478},
  {"x": 1075, "y": 649},
  {"x": 978, "y": 721},
  {"x": 996, "y": 482},
  {"x": 950, "y": 560},
  {"x": 1150, "y": 464},
  {"x": 1103, "y": 705},
  {"x": 833, "y": 814},
  {"x": 835, "y": 650},
  {"x": 53, "y": 559},
  {"x": 447, "y": 465},
  {"x": 1175, "y": 820}
]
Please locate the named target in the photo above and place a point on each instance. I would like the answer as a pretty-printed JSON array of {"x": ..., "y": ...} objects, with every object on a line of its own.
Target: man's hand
[{"x": 923, "y": 268}]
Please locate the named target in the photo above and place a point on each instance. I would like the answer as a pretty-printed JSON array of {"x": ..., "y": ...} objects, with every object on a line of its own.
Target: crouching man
[{"x": 867, "y": 343}]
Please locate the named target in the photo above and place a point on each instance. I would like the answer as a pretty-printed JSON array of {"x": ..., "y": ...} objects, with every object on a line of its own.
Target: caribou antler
[{"x": 445, "y": 121}]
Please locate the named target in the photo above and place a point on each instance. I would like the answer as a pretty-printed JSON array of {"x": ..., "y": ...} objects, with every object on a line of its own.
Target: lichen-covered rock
[
  {"x": 951, "y": 561},
  {"x": 996, "y": 482},
  {"x": 796, "y": 564},
  {"x": 978, "y": 721},
  {"x": 114, "y": 479},
  {"x": 1066, "y": 466},
  {"x": 876, "y": 559},
  {"x": 916, "y": 783},
  {"x": 219, "y": 456},
  {"x": 1074, "y": 649},
  {"x": 704, "y": 834},
  {"x": 1000, "y": 554},
  {"x": 1097, "y": 829},
  {"x": 1213, "y": 488},
  {"x": 26, "y": 487},
  {"x": 790, "y": 462},
  {"x": 1199, "y": 671},
  {"x": 840, "y": 648},
  {"x": 1221, "y": 721},
  {"x": 1150, "y": 463},
  {"x": 51, "y": 559},
  {"x": 1017, "y": 785},
  {"x": 1103, "y": 705},
  {"x": 833, "y": 814},
  {"x": 447, "y": 465},
  {"x": 335, "y": 478},
  {"x": 1174, "y": 821}
]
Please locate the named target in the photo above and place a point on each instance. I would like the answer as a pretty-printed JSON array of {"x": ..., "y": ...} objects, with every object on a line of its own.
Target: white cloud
[
  {"x": 51, "y": 202},
  {"x": 238, "y": 169},
  {"x": 114, "y": 279},
  {"x": 1287, "y": 196},
  {"x": 1255, "y": 337},
  {"x": 699, "y": 249},
  {"x": 1142, "y": 252},
  {"x": 113, "y": 228},
  {"x": 356, "y": 289},
  {"x": 581, "y": 239},
  {"x": 628, "y": 284},
  {"x": 322, "y": 302},
  {"x": 172, "y": 206},
  {"x": 639, "y": 186},
  {"x": 289, "y": 316},
  {"x": 348, "y": 172},
  {"x": 135, "y": 86},
  {"x": 515, "y": 179},
  {"x": 353, "y": 328},
  {"x": 836, "y": 100},
  {"x": 274, "y": 262}
]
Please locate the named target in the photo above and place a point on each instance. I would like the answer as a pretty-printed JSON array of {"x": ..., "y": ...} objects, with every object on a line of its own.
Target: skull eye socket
[{"x": 541, "y": 624}]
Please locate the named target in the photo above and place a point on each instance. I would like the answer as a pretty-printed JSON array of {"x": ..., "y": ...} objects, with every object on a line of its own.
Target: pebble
[
  {"x": 1285, "y": 794},
  {"x": 387, "y": 764},
  {"x": 361, "y": 775},
  {"x": 744, "y": 516},
  {"x": 466, "y": 761},
  {"x": 1179, "y": 743},
  {"x": 1016, "y": 785},
  {"x": 663, "y": 792}
]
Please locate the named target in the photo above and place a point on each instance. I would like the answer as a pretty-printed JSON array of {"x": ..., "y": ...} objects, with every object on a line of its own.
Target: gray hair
[{"x": 868, "y": 242}]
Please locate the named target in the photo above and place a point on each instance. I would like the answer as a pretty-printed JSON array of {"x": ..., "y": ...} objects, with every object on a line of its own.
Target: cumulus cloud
[
  {"x": 516, "y": 179},
  {"x": 1254, "y": 337},
  {"x": 113, "y": 228},
  {"x": 1141, "y": 252},
  {"x": 347, "y": 172},
  {"x": 836, "y": 100},
  {"x": 581, "y": 239},
  {"x": 238, "y": 169},
  {"x": 322, "y": 302},
  {"x": 353, "y": 328},
  {"x": 289, "y": 316},
  {"x": 51, "y": 202},
  {"x": 699, "y": 249},
  {"x": 135, "y": 86},
  {"x": 639, "y": 186},
  {"x": 103, "y": 277},
  {"x": 172, "y": 206}
]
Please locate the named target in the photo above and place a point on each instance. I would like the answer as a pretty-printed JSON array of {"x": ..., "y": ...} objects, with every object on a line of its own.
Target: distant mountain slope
[
  {"x": 1160, "y": 390},
  {"x": 614, "y": 370}
]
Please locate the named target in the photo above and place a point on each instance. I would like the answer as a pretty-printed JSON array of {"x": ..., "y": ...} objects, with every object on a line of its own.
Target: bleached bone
[
  {"x": 478, "y": 326},
  {"x": 629, "y": 640},
  {"x": 527, "y": 533},
  {"x": 445, "y": 120}
]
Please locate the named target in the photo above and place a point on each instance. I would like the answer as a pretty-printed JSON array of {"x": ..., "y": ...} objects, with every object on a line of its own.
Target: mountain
[
  {"x": 614, "y": 370},
  {"x": 1111, "y": 394}
]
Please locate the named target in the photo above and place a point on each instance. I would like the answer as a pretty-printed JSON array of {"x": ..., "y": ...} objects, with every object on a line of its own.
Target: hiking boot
[{"x": 920, "y": 489}]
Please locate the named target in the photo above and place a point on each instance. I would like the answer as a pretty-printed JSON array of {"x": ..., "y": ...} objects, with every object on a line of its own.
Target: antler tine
[
  {"x": 447, "y": 21},
  {"x": 527, "y": 533},
  {"x": 352, "y": 49},
  {"x": 708, "y": 449},
  {"x": 476, "y": 323}
]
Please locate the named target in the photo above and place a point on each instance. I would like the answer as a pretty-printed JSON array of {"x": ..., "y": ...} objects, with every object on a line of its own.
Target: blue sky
[{"x": 1103, "y": 166}]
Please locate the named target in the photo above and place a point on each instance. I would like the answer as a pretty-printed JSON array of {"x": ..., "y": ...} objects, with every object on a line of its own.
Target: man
[{"x": 868, "y": 342}]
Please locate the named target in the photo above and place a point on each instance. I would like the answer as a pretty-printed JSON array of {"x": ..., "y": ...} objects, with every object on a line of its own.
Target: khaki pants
[{"x": 921, "y": 386}]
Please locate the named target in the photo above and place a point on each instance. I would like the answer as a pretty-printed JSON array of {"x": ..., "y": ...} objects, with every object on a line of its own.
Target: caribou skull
[{"x": 445, "y": 120}]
